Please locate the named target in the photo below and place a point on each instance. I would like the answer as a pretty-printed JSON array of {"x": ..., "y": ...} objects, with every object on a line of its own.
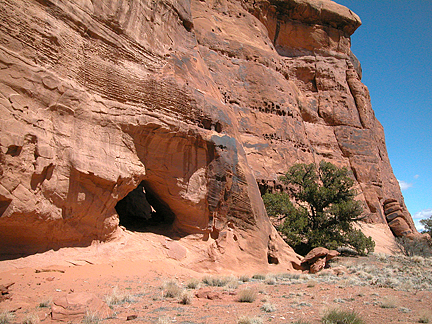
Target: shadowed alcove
[{"x": 143, "y": 210}]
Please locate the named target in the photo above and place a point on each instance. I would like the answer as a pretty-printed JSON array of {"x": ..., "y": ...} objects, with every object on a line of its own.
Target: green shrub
[
  {"x": 325, "y": 212},
  {"x": 341, "y": 317}
]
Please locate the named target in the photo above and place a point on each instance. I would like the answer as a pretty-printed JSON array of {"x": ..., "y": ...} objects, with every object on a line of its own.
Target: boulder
[
  {"x": 207, "y": 294},
  {"x": 4, "y": 291},
  {"x": 317, "y": 259},
  {"x": 74, "y": 306}
]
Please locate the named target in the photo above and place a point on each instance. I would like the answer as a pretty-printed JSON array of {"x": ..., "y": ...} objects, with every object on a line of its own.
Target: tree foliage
[
  {"x": 325, "y": 212},
  {"x": 427, "y": 223}
]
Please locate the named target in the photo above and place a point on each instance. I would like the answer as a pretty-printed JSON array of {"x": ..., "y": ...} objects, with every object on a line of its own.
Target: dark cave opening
[{"x": 143, "y": 210}]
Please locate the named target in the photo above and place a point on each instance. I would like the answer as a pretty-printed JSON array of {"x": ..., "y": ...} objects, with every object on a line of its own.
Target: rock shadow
[{"x": 142, "y": 210}]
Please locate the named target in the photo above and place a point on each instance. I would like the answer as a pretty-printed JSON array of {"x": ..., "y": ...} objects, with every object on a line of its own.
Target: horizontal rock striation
[{"x": 183, "y": 105}]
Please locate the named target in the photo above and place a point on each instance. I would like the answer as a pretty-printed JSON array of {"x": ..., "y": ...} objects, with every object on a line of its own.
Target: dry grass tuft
[
  {"x": 342, "y": 317},
  {"x": 389, "y": 302},
  {"x": 163, "y": 320},
  {"x": 91, "y": 318},
  {"x": 259, "y": 276},
  {"x": 193, "y": 283},
  {"x": 232, "y": 284},
  {"x": 246, "y": 295},
  {"x": 425, "y": 317},
  {"x": 270, "y": 280},
  {"x": 45, "y": 303},
  {"x": 249, "y": 320},
  {"x": 216, "y": 281},
  {"x": 117, "y": 298},
  {"x": 244, "y": 278},
  {"x": 31, "y": 319},
  {"x": 6, "y": 317},
  {"x": 268, "y": 307},
  {"x": 171, "y": 289},
  {"x": 185, "y": 298}
]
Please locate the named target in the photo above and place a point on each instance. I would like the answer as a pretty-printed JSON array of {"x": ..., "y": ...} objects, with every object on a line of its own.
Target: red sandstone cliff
[{"x": 191, "y": 103}]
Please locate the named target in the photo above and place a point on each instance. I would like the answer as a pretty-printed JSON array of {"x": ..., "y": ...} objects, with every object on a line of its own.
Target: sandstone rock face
[
  {"x": 398, "y": 218},
  {"x": 185, "y": 104}
]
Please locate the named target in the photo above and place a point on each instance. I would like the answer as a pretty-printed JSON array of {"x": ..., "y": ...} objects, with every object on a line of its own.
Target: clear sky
[{"x": 394, "y": 46}]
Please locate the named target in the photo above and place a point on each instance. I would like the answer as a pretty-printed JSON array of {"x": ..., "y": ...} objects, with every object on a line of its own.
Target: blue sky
[{"x": 394, "y": 46}]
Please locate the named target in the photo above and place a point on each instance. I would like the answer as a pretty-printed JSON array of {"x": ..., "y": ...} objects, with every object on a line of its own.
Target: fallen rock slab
[
  {"x": 4, "y": 291},
  {"x": 74, "y": 306},
  {"x": 317, "y": 259},
  {"x": 208, "y": 294}
]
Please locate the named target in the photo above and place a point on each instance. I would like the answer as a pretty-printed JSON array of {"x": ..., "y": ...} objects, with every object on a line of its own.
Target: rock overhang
[{"x": 321, "y": 12}]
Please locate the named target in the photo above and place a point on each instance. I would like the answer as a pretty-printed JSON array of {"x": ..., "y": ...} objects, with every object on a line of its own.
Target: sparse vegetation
[
  {"x": 326, "y": 209},
  {"x": 117, "y": 298},
  {"x": 249, "y": 320},
  {"x": 45, "y": 303},
  {"x": 268, "y": 307},
  {"x": 91, "y": 318},
  {"x": 389, "y": 302},
  {"x": 270, "y": 280},
  {"x": 244, "y": 278},
  {"x": 31, "y": 319},
  {"x": 247, "y": 295},
  {"x": 193, "y": 283},
  {"x": 425, "y": 317},
  {"x": 6, "y": 317},
  {"x": 216, "y": 281},
  {"x": 259, "y": 276},
  {"x": 171, "y": 289},
  {"x": 415, "y": 247},
  {"x": 185, "y": 298},
  {"x": 163, "y": 320},
  {"x": 232, "y": 284},
  {"x": 427, "y": 223},
  {"x": 341, "y": 317}
]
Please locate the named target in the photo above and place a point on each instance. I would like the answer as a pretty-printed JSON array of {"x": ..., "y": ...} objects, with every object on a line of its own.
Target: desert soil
[{"x": 380, "y": 288}]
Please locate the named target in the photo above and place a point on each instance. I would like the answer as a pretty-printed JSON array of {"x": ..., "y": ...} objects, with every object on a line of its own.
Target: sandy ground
[{"x": 140, "y": 272}]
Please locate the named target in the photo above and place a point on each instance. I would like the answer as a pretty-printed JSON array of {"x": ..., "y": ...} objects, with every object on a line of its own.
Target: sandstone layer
[{"x": 186, "y": 107}]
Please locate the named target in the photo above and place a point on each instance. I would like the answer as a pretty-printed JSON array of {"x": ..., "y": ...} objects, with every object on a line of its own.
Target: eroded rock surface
[{"x": 188, "y": 103}]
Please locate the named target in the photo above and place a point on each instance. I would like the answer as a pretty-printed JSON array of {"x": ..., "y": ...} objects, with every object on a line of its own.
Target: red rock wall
[{"x": 195, "y": 99}]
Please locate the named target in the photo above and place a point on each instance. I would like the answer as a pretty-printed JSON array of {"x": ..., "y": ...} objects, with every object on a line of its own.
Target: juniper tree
[{"x": 325, "y": 210}]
